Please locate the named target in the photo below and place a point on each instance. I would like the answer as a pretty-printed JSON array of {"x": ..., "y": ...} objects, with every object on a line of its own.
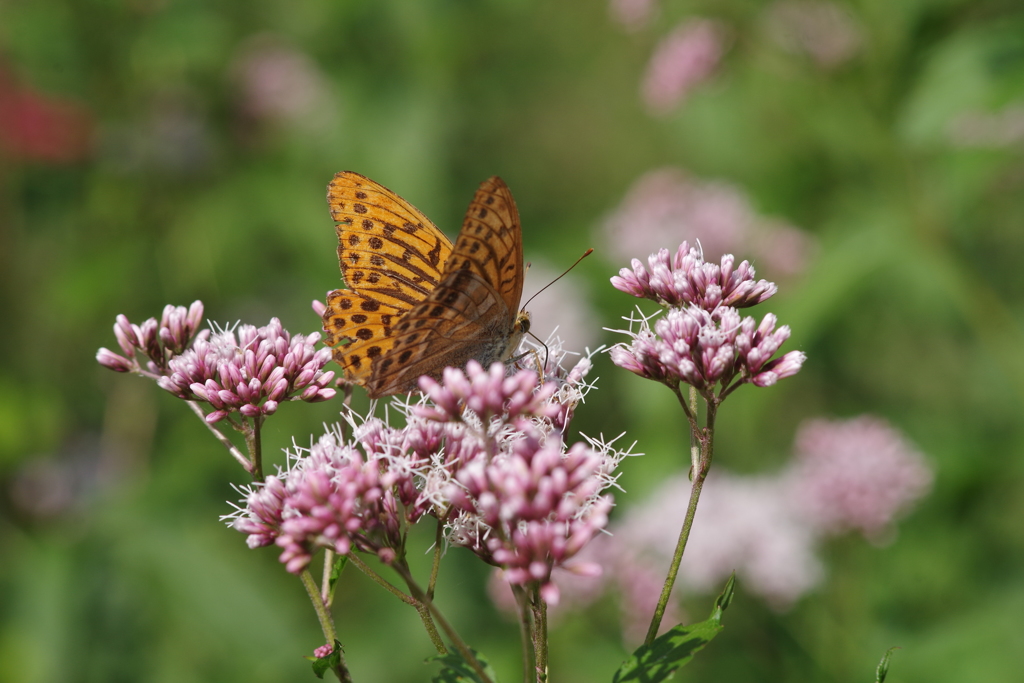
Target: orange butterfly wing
[
  {"x": 391, "y": 257},
  {"x": 473, "y": 311}
]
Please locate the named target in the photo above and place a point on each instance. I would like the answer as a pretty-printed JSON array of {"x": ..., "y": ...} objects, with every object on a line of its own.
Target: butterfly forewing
[
  {"x": 391, "y": 258},
  {"x": 387, "y": 248},
  {"x": 491, "y": 242},
  {"x": 471, "y": 314}
]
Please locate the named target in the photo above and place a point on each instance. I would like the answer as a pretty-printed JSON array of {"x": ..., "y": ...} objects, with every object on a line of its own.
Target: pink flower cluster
[
  {"x": 531, "y": 509},
  {"x": 686, "y": 278},
  {"x": 483, "y": 452},
  {"x": 278, "y": 83},
  {"x": 250, "y": 373},
  {"x": 340, "y": 494},
  {"x": 488, "y": 393},
  {"x": 333, "y": 497},
  {"x": 524, "y": 502},
  {"x": 703, "y": 340}
]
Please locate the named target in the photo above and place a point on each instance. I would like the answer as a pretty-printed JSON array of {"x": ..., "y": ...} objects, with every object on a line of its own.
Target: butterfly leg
[{"x": 536, "y": 361}]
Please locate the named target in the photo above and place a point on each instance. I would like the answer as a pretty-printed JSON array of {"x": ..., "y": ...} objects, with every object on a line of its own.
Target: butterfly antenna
[{"x": 587, "y": 253}]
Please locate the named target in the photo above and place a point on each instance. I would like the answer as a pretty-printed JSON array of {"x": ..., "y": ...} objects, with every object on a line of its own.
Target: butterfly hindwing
[
  {"x": 359, "y": 329},
  {"x": 463, "y": 319}
]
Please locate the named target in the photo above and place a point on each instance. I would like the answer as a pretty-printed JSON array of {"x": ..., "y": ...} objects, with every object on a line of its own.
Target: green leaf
[
  {"x": 458, "y": 670},
  {"x": 883, "y": 666},
  {"x": 323, "y": 664},
  {"x": 671, "y": 650},
  {"x": 336, "y": 569}
]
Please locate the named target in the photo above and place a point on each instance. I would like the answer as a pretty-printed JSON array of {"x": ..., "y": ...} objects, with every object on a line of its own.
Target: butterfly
[{"x": 415, "y": 303}]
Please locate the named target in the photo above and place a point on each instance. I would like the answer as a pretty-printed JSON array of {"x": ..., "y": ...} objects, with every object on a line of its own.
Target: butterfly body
[{"x": 415, "y": 303}]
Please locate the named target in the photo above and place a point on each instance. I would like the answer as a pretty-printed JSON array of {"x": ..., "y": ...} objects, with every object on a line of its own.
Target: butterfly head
[
  {"x": 522, "y": 324},
  {"x": 519, "y": 329}
]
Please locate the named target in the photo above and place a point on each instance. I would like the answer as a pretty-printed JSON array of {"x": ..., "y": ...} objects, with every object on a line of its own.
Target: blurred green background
[{"x": 161, "y": 151}]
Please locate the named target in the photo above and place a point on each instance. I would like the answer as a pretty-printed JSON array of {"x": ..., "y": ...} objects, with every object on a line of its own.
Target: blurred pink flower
[
  {"x": 277, "y": 82},
  {"x": 746, "y": 524},
  {"x": 39, "y": 127},
  {"x": 857, "y": 474},
  {"x": 632, "y": 15},
  {"x": 976, "y": 129},
  {"x": 847, "y": 475},
  {"x": 826, "y": 31},
  {"x": 780, "y": 247},
  {"x": 640, "y": 585},
  {"x": 667, "y": 206},
  {"x": 684, "y": 59}
]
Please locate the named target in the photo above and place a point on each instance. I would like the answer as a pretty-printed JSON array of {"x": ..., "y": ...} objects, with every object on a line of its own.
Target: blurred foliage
[{"x": 113, "y": 566}]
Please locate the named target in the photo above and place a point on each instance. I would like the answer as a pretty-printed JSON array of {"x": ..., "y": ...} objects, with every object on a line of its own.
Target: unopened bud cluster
[
  {"x": 157, "y": 342},
  {"x": 703, "y": 340},
  {"x": 249, "y": 370},
  {"x": 252, "y": 373},
  {"x": 685, "y": 278}
]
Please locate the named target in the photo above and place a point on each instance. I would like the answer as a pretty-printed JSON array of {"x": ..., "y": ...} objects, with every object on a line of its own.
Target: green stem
[
  {"x": 326, "y": 623},
  {"x": 694, "y": 442},
  {"x": 235, "y": 453},
  {"x": 419, "y": 605},
  {"x": 380, "y": 580},
  {"x": 436, "y": 564},
  {"x": 326, "y": 591},
  {"x": 449, "y": 631},
  {"x": 706, "y": 439},
  {"x": 540, "y": 634},
  {"x": 254, "y": 442},
  {"x": 525, "y": 629}
]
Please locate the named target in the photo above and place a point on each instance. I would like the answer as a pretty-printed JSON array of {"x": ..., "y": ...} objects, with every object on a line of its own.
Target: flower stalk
[
  {"x": 705, "y": 439},
  {"x": 254, "y": 442},
  {"x": 702, "y": 341},
  {"x": 539, "y": 609},
  {"x": 526, "y": 631},
  {"x": 326, "y": 624},
  {"x": 417, "y": 593},
  {"x": 419, "y": 605}
]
